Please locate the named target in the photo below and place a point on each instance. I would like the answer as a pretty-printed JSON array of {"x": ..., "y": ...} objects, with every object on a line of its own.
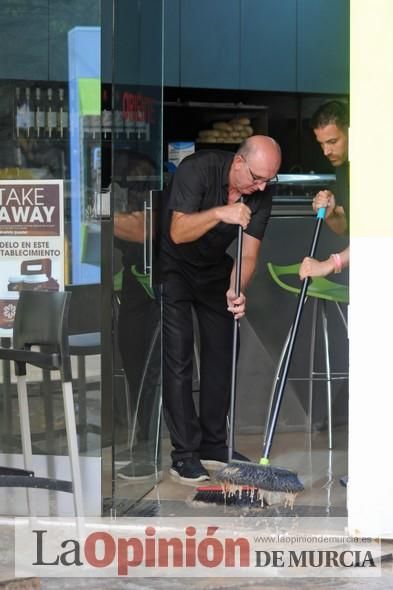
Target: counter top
[{"x": 305, "y": 179}]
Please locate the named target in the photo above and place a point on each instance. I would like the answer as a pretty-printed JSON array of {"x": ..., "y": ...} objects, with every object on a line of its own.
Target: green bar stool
[{"x": 322, "y": 290}]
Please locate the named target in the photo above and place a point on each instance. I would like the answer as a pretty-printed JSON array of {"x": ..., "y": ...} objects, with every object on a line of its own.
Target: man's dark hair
[{"x": 333, "y": 112}]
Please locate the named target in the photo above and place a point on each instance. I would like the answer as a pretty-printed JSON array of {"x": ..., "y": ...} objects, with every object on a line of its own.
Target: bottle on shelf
[
  {"x": 106, "y": 115},
  {"x": 20, "y": 119},
  {"x": 118, "y": 117},
  {"x": 62, "y": 114},
  {"x": 18, "y": 156},
  {"x": 29, "y": 114},
  {"x": 39, "y": 114},
  {"x": 51, "y": 116},
  {"x": 129, "y": 125}
]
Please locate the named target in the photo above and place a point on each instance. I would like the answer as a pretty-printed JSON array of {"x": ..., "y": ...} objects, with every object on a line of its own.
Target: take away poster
[{"x": 31, "y": 242}]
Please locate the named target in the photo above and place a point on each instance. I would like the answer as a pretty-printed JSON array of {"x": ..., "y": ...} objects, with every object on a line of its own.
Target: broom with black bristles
[
  {"x": 265, "y": 478},
  {"x": 256, "y": 484}
]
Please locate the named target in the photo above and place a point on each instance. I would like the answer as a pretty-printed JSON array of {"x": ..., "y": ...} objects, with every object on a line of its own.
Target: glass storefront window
[{"x": 81, "y": 128}]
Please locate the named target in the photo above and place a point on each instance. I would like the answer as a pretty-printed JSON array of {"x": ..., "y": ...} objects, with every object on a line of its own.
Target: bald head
[
  {"x": 263, "y": 150},
  {"x": 254, "y": 165}
]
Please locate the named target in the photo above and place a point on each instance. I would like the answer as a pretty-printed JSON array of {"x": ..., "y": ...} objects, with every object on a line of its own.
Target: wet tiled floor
[
  {"x": 318, "y": 468},
  {"x": 320, "y": 471}
]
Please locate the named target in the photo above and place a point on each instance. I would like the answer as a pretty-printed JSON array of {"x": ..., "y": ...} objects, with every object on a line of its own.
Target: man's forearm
[
  {"x": 187, "y": 227},
  {"x": 247, "y": 272},
  {"x": 344, "y": 255},
  {"x": 129, "y": 227},
  {"x": 337, "y": 221}
]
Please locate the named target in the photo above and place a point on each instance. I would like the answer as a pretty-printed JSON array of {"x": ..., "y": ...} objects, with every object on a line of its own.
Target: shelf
[
  {"x": 216, "y": 105},
  {"x": 23, "y": 140},
  {"x": 183, "y": 120},
  {"x": 201, "y": 145},
  {"x": 87, "y": 140}
]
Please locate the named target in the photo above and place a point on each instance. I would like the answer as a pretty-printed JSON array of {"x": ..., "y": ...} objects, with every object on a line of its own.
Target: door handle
[
  {"x": 145, "y": 238},
  {"x": 148, "y": 237},
  {"x": 151, "y": 209}
]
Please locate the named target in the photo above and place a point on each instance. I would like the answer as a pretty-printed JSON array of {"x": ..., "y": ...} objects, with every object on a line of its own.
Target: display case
[{"x": 34, "y": 129}]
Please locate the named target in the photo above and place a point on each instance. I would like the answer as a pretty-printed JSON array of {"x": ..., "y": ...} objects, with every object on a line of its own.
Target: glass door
[
  {"x": 80, "y": 164},
  {"x": 132, "y": 150},
  {"x": 50, "y": 229}
]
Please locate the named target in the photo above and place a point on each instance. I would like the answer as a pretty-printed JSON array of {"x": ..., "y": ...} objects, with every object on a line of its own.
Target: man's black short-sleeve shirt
[
  {"x": 201, "y": 183},
  {"x": 341, "y": 192}
]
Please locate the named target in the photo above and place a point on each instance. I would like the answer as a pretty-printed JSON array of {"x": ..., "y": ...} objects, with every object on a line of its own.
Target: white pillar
[{"x": 370, "y": 489}]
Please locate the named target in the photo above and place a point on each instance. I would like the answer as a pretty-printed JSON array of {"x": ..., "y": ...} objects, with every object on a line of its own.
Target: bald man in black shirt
[{"x": 202, "y": 211}]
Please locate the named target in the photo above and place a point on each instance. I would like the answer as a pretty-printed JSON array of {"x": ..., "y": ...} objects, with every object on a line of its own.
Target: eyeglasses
[{"x": 259, "y": 179}]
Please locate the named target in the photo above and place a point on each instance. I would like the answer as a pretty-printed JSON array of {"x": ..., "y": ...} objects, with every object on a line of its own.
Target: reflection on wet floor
[{"x": 318, "y": 468}]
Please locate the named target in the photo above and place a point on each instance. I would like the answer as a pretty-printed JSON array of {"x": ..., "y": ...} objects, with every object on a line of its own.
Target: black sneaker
[
  {"x": 217, "y": 458},
  {"x": 140, "y": 472},
  {"x": 189, "y": 470}
]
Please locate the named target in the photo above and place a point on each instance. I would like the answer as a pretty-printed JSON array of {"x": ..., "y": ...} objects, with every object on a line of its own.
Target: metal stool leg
[
  {"x": 119, "y": 372},
  {"x": 25, "y": 423},
  {"x": 197, "y": 358},
  {"x": 342, "y": 316},
  {"x": 128, "y": 406},
  {"x": 25, "y": 432},
  {"x": 311, "y": 361},
  {"x": 328, "y": 373},
  {"x": 48, "y": 408},
  {"x": 6, "y": 429},
  {"x": 82, "y": 413},
  {"x": 72, "y": 440},
  {"x": 158, "y": 436},
  {"x": 140, "y": 391}
]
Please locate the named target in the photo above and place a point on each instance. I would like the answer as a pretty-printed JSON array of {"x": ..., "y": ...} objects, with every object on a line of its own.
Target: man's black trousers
[{"x": 189, "y": 433}]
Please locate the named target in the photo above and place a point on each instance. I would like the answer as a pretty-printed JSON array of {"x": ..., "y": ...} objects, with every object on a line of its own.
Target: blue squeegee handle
[
  {"x": 235, "y": 340},
  {"x": 282, "y": 378}
]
